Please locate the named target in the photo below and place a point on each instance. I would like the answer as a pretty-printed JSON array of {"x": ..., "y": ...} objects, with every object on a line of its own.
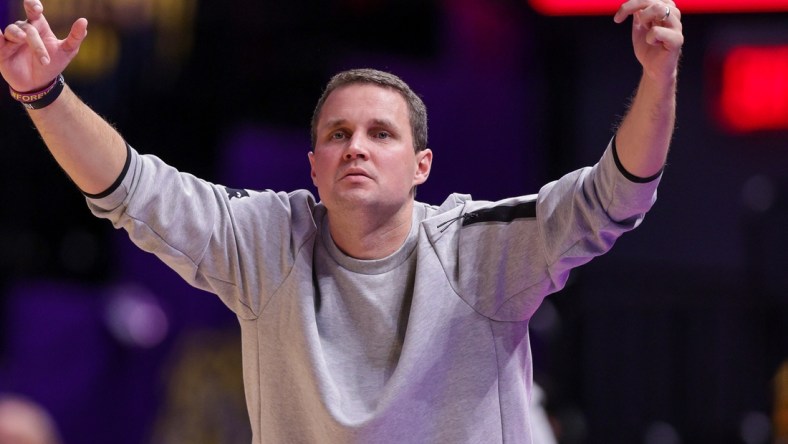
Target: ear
[
  {"x": 312, "y": 172},
  {"x": 423, "y": 166}
]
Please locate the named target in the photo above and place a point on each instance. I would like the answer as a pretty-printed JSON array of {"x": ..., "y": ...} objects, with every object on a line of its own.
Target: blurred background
[{"x": 678, "y": 335}]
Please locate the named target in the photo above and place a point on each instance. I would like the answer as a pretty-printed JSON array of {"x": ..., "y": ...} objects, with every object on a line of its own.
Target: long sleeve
[{"x": 238, "y": 244}]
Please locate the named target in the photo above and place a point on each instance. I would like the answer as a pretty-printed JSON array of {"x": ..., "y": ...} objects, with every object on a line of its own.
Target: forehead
[{"x": 362, "y": 102}]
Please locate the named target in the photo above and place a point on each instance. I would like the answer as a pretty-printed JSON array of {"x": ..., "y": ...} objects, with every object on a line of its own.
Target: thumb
[{"x": 79, "y": 30}]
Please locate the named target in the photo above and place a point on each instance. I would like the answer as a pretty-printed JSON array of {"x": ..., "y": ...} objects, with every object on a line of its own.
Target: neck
[{"x": 370, "y": 234}]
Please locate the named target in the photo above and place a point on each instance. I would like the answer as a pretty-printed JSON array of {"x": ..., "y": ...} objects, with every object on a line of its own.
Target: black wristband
[{"x": 40, "y": 99}]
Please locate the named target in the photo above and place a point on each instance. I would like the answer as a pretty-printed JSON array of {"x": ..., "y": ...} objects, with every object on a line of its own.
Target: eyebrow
[{"x": 334, "y": 123}]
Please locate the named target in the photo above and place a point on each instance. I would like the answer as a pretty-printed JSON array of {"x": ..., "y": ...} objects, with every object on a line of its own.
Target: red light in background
[
  {"x": 605, "y": 7},
  {"x": 753, "y": 92}
]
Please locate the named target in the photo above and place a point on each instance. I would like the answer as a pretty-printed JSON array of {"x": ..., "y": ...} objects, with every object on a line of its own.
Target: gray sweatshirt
[{"x": 428, "y": 345}]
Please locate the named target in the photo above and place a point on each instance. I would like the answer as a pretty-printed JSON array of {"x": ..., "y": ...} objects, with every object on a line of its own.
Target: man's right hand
[
  {"x": 88, "y": 149},
  {"x": 31, "y": 56}
]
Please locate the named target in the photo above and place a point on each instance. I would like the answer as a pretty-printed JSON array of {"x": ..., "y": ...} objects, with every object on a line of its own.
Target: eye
[
  {"x": 337, "y": 135},
  {"x": 383, "y": 135}
]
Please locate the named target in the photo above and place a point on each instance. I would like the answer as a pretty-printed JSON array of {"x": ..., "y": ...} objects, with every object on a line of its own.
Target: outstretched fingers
[
  {"x": 24, "y": 33},
  {"x": 30, "y": 53},
  {"x": 28, "y": 32}
]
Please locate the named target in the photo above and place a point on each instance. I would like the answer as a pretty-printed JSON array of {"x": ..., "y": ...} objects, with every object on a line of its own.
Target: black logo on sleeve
[{"x": 234, "y": 193}]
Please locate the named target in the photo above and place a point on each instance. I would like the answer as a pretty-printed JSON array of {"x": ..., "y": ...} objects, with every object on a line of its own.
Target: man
[{"x": 367, "y": 316}]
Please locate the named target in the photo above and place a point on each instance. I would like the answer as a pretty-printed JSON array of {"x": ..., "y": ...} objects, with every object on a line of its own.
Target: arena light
[
  {"x": 753, "y": 93},
  {"x": 608, "y": 7}
]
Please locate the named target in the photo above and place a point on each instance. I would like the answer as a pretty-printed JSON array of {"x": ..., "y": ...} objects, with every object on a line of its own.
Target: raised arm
[
  {"x": 31, "y": 58},
  {"x": 643, "y": 139}
]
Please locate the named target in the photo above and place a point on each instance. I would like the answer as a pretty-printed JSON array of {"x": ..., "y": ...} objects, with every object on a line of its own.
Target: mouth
[{"x": 355, "y": 173}]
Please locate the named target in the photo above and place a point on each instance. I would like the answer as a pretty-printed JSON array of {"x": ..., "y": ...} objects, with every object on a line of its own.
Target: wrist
[
  {"x": 664, "y": 80},
  {"x": 41, "y": 98}
]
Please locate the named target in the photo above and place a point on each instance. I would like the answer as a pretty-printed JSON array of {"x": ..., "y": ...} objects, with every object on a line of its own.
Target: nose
[{"x": 356, "y": 149}]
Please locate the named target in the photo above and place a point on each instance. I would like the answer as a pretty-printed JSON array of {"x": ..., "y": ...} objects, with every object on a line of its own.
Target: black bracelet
[{"x": 40, "y": 99}]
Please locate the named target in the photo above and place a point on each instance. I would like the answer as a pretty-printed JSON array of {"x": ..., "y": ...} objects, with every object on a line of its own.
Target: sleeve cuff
[
  {"x": 627, "y": 174},
  {"x": 117, "y": 182}
]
